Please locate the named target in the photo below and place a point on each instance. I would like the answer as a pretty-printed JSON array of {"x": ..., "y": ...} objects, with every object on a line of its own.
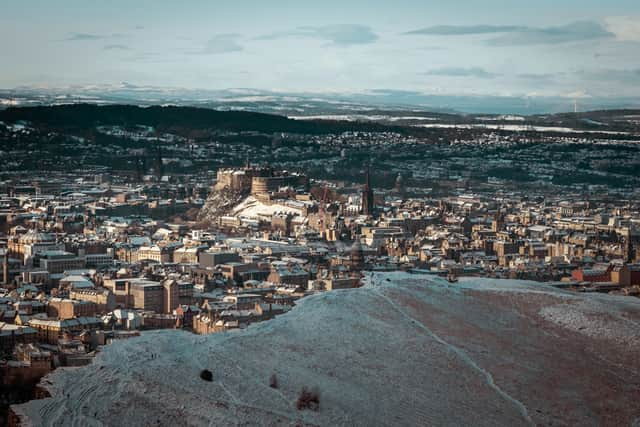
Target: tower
[
  {"x": 367, "y": 196},
  {"x": 497, "y": 223},
  {"x": 5, "y": 267},
  {"x": 158, "y": 168},
  {"x": 399, "y": 185},
  {"x": 357, "y": 256},
  {"x": 171, "y": 296}
]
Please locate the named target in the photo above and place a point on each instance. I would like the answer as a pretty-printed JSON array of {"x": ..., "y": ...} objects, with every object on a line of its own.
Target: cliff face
[{"x": 219, "y": 203}]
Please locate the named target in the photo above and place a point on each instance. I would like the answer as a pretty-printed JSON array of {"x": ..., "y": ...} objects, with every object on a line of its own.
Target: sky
[{"x": 572, "y": 48}]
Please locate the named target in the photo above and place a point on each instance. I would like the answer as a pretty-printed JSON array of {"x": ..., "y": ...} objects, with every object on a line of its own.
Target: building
[
  {"x": 186, "y": 255},
  {"x": 5, "y": 267},
  {"x": 60, "y": 308},
  {"x": 210, "y": 259},
  {"x": 592, "y": 274},
  {"x": 626, "y": 275},
  {"x": 154, "y": 253},
  {"x": 147, "y": 295},
  {"x": 243, "y": 301},
  {"x": 11, "y": 335},
  {"x": 185, "y": 292},
  {"x": 206, "y": 323},
  {"x": 257, "y": 180},
  {"x": 171, "y": 296},
  {"x": 120, "y": 288},
  {"x": 290, "y": 274},
  {"x": 50, "y": 331},
  {"x": 240, "y": 271},
  {"x": 31, "y": 243},
  {"x": 30, "y": 365},
  {"x": 356, "y": 256},
  {"x": 333, "y": 283},
  {"x": 99, "y": 260},
  {"x": 368, "y": 202},
  {"x": 104, "y": 299},
  {"x": 38, "y": 360},
  {"x": 57, "y": 262}
]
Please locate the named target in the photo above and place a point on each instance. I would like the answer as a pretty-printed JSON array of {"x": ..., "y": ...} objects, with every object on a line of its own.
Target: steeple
[{"x": 367, "y": 195}]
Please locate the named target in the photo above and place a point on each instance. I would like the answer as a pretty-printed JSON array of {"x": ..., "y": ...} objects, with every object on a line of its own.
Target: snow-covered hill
[{"x": 402, "y": 350}]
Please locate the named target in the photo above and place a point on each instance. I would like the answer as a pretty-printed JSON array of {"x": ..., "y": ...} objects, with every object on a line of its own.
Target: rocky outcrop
[{"x": 219, "y": 203}]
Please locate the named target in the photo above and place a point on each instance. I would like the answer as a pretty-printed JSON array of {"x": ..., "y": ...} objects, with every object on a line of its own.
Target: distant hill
[
  {"x": 83, "y": 116},
  {"x": 185, "y": 119}
]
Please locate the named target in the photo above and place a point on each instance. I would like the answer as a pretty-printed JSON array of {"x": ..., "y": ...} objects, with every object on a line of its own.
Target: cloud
[
  {"x": 512, "y": 35},
  {"x": 461, "y": 30},
  {"x": 575, "y": 31},
  {"x": 537, "y": 77},
  {"x": 477, "y": 72},
  {"x": 628, "y": 76},
  {"x": 222, "y": 43},
  {"x": 625, "y": 28},
  {"x": 116, "y": 47},
  {"x": 337, "y": 35},
  {"x": 84, "y": 36},
  {"x": 78, "y": 37},
  {"x": 395, "y": 92}
]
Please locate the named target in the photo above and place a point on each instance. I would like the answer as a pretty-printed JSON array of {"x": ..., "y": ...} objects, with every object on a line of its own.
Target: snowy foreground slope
[{"x": 403, "y": 350}]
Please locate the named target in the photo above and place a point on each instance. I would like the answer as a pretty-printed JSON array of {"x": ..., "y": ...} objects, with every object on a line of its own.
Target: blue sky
[{"x": 555, "y": 48}]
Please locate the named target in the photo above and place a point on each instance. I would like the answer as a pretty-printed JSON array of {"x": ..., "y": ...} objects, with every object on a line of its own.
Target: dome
[{"x": 33, "y": 236}]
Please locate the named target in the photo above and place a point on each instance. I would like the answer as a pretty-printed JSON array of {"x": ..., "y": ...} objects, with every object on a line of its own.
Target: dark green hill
[{"x": 85, "y": 116}]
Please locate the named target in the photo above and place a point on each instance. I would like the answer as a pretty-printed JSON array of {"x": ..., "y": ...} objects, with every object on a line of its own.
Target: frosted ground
[{"x": 403, "y": 350}]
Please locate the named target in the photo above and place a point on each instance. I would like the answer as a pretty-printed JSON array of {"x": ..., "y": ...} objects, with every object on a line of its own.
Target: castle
[{"x": 258, "y": 180}]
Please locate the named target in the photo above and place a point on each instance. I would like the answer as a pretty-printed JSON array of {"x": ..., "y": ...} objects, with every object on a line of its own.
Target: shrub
[
  {"x": 273, "y": 381},
  {"x": 308, "y": 399},
  {"x": 206, "y": 375}
]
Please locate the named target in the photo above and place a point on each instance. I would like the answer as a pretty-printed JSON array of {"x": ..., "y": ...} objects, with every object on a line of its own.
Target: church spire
[{"x": 367, "y": 195}]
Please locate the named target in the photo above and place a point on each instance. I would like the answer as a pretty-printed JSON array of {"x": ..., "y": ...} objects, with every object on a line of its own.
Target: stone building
[
  {"x": 147, "y": 295},
  {"x": 290, "y": 274},
  {"x": 60, "y": 308},
  {"x": 11, "y": 335},
  {"x": 104, "y": 299},
  {"x": 50, "y": 331}
]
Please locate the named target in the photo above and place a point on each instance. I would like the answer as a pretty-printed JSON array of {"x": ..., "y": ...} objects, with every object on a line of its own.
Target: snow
[
  {"x": 255, "y": 209},
  {"x": 593, "y": 319},
  {"x": 405, "y": 349},
  {"x": 360, "y": 117},
  {"x": 517, "y": 128}
]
